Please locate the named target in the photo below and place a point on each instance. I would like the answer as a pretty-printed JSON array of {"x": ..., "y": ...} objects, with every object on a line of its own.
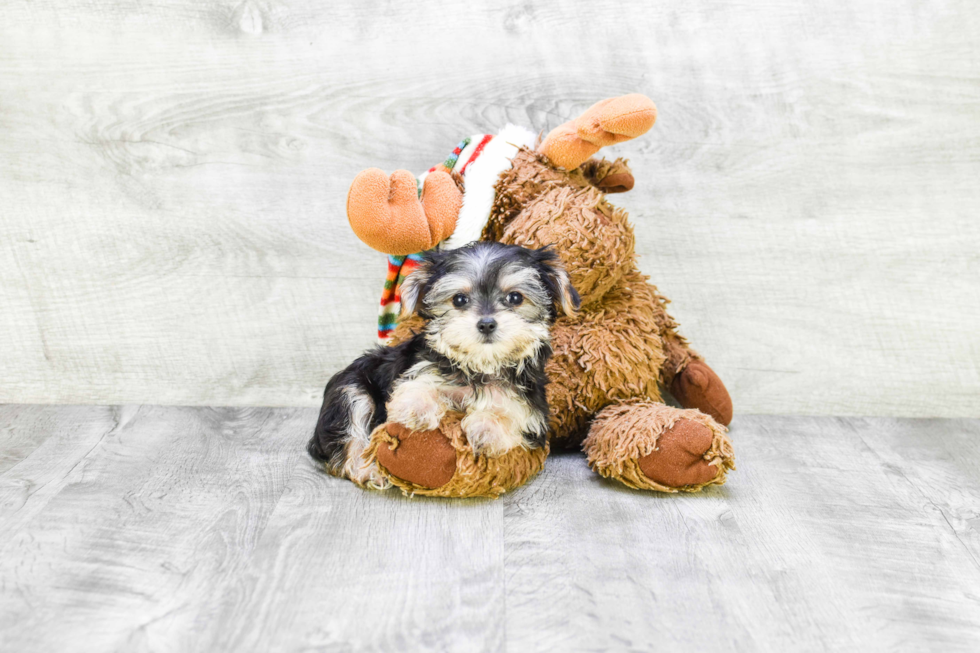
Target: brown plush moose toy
[{"x": 610, "y": 358}]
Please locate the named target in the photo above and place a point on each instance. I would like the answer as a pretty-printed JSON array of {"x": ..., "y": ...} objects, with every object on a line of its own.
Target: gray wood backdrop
[{"x": 173, "y": 175}]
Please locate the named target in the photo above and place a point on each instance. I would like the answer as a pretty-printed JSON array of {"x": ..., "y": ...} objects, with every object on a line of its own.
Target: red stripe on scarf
[{"x": 479, "y": 149}]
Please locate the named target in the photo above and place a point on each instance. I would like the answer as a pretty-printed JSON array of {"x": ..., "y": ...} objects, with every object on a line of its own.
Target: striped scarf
[{"x": 400, "y": 267}]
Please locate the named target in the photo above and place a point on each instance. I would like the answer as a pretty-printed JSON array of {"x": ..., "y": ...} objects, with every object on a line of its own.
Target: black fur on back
[{"x": 375, "y": 373}]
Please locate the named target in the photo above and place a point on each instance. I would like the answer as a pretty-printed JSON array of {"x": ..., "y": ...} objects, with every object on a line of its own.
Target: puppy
[{"x": 488, "y": 309}]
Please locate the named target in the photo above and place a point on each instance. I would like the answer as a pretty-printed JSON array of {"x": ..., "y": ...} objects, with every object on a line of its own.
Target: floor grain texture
[
  {"x": 173, "y": 179},
  {"x": 207, "y": 529}
]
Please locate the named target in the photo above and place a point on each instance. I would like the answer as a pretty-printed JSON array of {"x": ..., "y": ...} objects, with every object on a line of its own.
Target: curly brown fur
[
  {"x": 539, "y": 204},
  {"x": 529, "y": 175}
]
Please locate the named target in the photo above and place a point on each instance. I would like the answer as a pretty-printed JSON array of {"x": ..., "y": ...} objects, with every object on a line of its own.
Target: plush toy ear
[{"x": 555, "y": 277}]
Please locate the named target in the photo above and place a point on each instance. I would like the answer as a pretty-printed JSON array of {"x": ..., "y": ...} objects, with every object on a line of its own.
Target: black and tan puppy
[{"x": 488, "y": 309}]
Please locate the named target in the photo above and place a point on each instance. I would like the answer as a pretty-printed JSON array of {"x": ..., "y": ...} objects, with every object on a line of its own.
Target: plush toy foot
[
  {"x": 441, "y": 462},
  {"x": 423, "y": 458},
  {"x": 678, "y": 460},
  {"x": 605, "y": 123},
  {"x": 650, "y": 446},
  {"x": 388, "y": 215},
  {"x": 697, "y": 386}
]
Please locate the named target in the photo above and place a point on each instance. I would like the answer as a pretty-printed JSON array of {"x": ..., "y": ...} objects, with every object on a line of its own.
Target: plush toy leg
[
  {"x": 697, "y": 386},
  {"x": 689, "y": 379},
  {"x": 441, "y": 463},
  {"x": 387, "y": 214},
  {"x": 605, "y": 123},
  {"x": 650, "y": 446}
]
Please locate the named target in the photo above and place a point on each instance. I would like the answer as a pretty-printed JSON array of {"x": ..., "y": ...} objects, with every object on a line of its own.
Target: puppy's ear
[
  {"x": 555, "y": 277},
  {"x": 412, "y": 289}
]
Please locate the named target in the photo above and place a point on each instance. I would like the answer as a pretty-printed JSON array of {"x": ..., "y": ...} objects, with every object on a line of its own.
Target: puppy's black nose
[{"x": 486, "y": 325}]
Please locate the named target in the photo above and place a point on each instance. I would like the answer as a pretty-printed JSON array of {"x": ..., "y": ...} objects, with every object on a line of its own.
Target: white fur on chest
[{"x": 496, "y": 415}]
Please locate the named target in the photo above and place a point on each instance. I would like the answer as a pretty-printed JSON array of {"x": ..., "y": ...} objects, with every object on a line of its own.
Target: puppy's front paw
[
  {"x": 416, "y": 410},
  {"x": 365, "y": 474},
  {"x": 490, "y": 434}
]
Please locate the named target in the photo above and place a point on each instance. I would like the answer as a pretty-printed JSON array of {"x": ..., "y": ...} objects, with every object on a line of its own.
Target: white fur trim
[{"x": 480, "y": 179}]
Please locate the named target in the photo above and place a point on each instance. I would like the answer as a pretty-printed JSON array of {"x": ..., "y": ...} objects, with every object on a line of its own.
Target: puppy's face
[{"x": 489, "y": 305}]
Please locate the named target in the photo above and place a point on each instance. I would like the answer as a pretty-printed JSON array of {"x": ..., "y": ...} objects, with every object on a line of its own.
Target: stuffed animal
[{"x": 611, "y": 358}]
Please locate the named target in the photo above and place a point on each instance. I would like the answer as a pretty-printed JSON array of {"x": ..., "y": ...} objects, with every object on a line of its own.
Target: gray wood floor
[{"x": 197, "y": 529}]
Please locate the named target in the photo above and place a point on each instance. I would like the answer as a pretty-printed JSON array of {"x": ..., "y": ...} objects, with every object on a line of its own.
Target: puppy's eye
[
  {"x": 460, "y": 300},
  {"x": 514, "y": 298}
]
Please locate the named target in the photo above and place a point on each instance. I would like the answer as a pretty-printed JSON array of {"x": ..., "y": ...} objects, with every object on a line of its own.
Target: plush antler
[
  {"x": 389, "y": 216},
  {"x": 604, "y": 123}
]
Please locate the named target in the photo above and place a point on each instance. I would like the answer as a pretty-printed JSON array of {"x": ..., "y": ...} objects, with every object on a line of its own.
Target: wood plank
[
  {"x": 207, "y": 529},
  {"x": 340, "y": 568},
  {"x": 173, "y": 178},
  {"x": 23, "y": 430},
  {"x": 136, "y": 540},
  {"x": 210, "y": 529},
  {"x": 815, "y": 544},
  {"x": 56, "y": 440},
  {"x": 939, "y": 458}
]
